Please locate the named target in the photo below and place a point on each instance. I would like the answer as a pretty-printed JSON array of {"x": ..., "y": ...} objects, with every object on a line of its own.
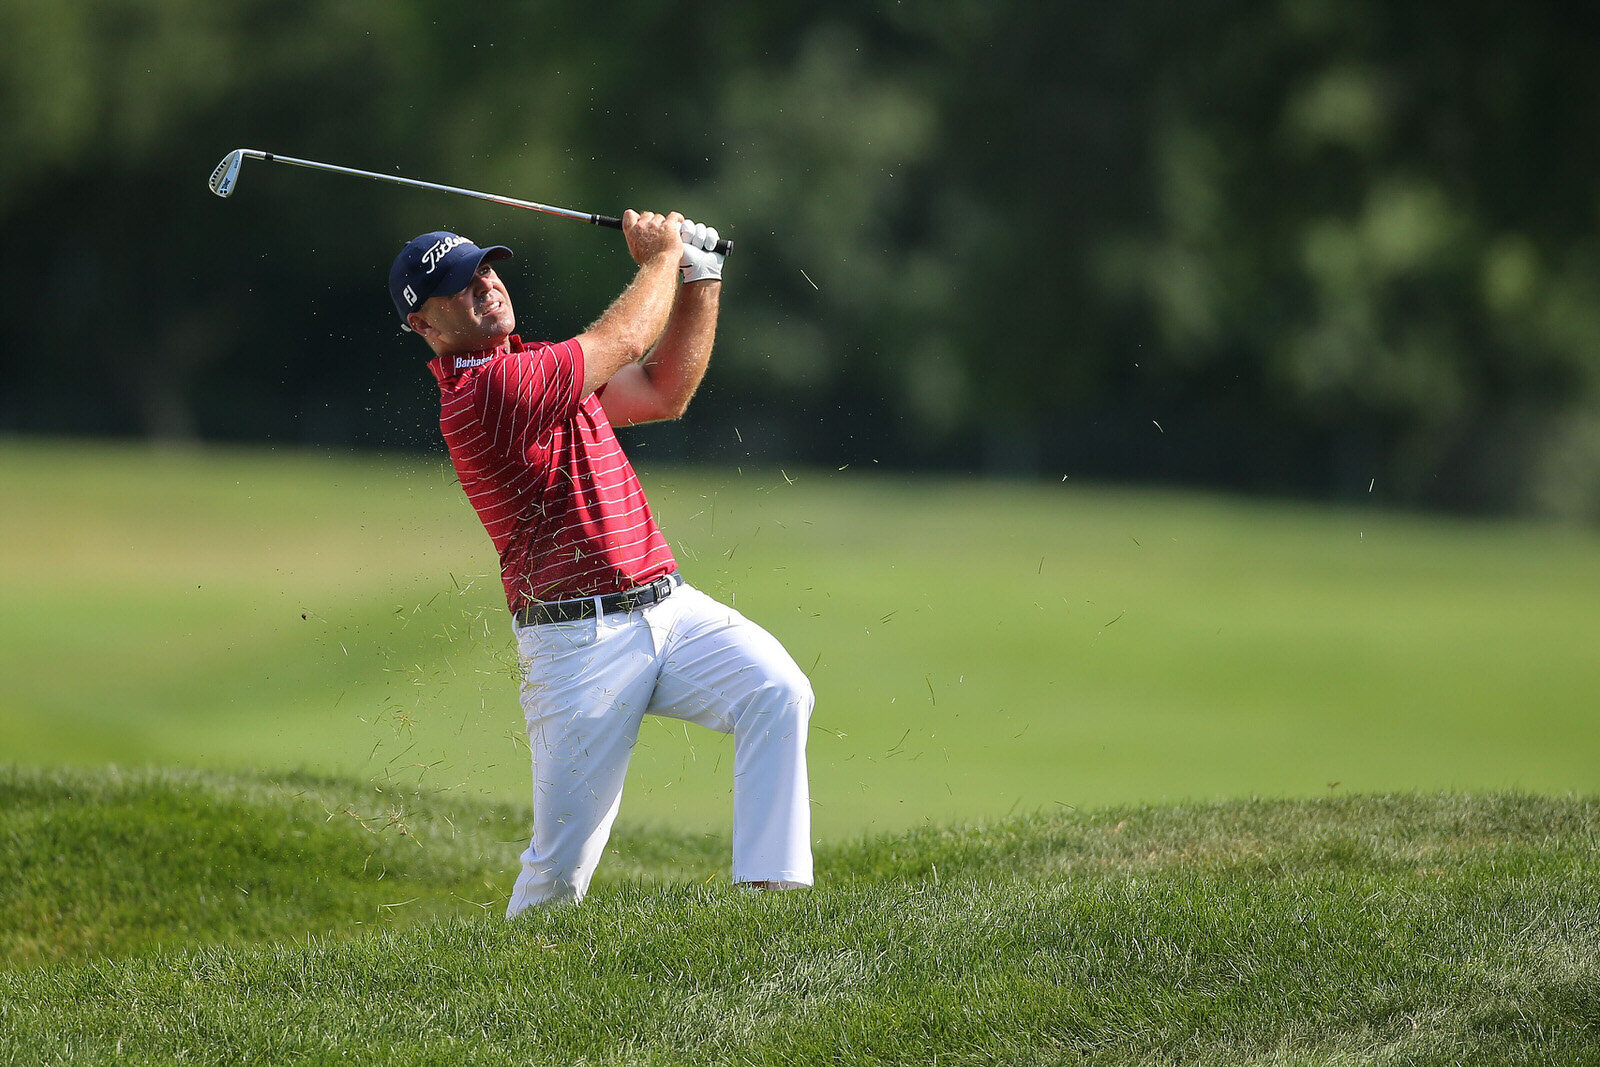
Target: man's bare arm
[
  {"x": 662, "y": 385},
  {"x": 635, "y": 321}
]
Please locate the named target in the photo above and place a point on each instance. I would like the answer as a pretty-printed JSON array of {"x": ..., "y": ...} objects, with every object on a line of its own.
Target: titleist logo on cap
[{"x": 439, "y": 250}]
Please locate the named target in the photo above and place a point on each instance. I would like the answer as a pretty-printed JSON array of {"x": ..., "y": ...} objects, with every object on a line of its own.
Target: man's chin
[{"x": 495, "y": 334}]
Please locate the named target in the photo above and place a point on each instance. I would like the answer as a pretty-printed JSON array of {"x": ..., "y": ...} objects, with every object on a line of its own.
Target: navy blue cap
[{"x": 436, "y": 264}]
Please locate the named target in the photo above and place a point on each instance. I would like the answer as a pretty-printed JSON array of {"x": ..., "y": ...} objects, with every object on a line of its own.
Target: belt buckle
[{"x": 645, "y": 595}]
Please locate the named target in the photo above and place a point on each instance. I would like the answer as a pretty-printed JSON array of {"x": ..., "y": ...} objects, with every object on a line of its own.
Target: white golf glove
[{"x": 699, "y": 262}]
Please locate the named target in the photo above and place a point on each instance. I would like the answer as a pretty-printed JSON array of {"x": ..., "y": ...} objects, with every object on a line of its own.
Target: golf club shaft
[{"x": 723, "y": 246}]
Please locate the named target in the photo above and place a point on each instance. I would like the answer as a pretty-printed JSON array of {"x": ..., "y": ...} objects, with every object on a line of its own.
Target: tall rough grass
[{"x": 164, "y": 917}]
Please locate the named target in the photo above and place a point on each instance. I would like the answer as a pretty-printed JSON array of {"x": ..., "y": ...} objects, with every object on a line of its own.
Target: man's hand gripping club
[
  {"x": 647, "y": 235},
  {"x": 674, "y": 323},
  {"x": 699, "y": 262}
]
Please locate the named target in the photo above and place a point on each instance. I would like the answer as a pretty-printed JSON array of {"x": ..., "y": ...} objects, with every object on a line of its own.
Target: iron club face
[{"x": 226, "y": 176}]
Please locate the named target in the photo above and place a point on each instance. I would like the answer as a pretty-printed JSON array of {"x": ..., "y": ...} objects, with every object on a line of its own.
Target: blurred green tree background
[{"x": 1328, "y": 248}]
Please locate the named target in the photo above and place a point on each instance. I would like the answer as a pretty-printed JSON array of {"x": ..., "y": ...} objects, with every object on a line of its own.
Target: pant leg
[
  {"x": 584, "y": 694},
  {"x": 723, "y": 671}
]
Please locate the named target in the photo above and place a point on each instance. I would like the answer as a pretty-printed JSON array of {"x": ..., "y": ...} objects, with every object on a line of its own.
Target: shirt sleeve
[{"x": 524, "y": 394}]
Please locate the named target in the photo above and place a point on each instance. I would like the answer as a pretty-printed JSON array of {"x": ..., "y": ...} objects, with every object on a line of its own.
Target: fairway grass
[
  {"x": 259, "y": 920},
  {"x": 977, "y": 648}
]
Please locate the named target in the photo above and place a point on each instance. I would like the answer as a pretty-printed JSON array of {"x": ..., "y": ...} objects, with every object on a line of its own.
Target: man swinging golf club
[{"x": 607, "y": 628}]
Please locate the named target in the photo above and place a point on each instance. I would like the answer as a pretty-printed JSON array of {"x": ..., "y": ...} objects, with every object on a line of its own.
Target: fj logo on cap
[
  {"x": 410, "y": 294},
  {"x": 439, "y": 250}
]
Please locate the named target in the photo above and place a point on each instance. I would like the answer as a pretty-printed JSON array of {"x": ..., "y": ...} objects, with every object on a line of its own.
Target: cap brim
[{"x": 460, "y": 274}]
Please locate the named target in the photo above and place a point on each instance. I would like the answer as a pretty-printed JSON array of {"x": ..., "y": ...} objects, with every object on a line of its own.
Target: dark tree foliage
[{"x": 1336, "y": 248}]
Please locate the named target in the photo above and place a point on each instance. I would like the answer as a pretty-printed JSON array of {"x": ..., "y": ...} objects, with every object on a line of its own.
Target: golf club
[{"x": 226, "y": 176}]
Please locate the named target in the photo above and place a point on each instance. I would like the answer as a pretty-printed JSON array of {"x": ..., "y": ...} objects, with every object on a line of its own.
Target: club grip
[{"x": 723, "y": 247}]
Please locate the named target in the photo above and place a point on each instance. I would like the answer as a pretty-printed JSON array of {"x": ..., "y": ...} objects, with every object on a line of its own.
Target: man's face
[{"x": 476, "y": 318}]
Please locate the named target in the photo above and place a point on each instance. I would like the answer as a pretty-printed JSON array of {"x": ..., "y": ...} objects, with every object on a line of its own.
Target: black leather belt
[{"x": 584, "y": 607}]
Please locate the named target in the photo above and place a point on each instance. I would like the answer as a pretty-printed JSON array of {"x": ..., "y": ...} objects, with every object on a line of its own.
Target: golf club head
[{"x": 226, "y": 176}]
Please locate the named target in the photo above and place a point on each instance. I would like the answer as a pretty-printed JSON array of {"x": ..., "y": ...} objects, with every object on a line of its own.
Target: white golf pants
[{"x": 588, "y": 686}]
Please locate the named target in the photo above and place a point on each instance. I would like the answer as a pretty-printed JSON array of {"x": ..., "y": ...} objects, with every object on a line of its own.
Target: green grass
[
  {"x": 107, "y": 861},
  {"x": 162, "y": 917},
  {"x": 1032, "y": 700},
  {"x": 977, "y": 648}
]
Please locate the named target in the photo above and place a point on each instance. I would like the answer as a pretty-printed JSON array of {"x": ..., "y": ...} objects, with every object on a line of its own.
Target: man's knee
[{"x": 786, "y": 697}]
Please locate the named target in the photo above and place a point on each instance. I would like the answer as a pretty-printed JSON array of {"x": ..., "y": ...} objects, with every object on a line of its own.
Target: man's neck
[{"x": 508, "y": 341}]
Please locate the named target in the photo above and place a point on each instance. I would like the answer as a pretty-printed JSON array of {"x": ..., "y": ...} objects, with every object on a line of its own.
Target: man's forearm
[
  {"x": 678, "y": 362},
  {"x": 634, "y": 322}
]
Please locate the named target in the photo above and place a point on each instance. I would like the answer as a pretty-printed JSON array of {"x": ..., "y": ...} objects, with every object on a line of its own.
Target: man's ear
[{"x": 421, "y": 326}]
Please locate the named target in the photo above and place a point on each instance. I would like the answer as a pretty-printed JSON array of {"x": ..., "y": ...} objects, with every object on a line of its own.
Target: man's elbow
[
  {"x": 615, "y": 345},
  {"x": 668, "y": 409},
  {"x": 638, "y": 410},
  {"x": 669, "y": 394},
  {"x": 627, "y": 348}
]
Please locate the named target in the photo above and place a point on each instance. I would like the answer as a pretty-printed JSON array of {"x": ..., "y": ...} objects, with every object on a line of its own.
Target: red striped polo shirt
[{"x": 546, "y": 474}]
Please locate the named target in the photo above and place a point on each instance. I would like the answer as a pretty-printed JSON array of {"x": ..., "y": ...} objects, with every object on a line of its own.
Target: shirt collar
[{"x": 448, "y": 366}]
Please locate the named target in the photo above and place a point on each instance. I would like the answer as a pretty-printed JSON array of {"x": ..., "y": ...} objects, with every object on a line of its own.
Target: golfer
[{"x": 607, "y": 628}]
